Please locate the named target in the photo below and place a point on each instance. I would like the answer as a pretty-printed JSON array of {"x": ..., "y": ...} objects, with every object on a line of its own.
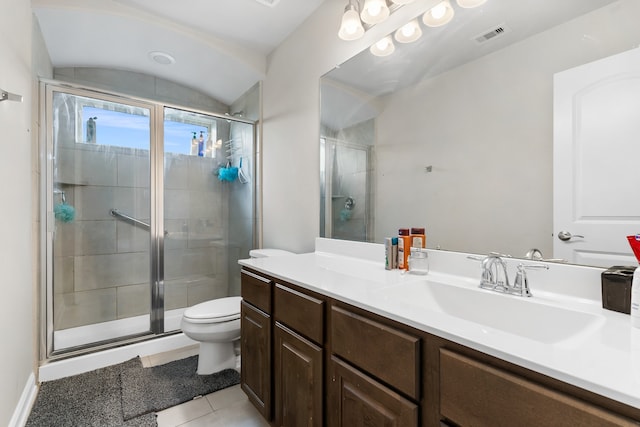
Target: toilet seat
[{"x": 215, "y": 311}]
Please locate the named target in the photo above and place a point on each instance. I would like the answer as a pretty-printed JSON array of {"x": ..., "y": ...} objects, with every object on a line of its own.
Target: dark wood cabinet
[
  {"x": 298, "y": 380},
  {"x": 255, "y": 350},
  {"x": 473, "y": 393},
  {"x": 309, "y": 360},
  {"x": 355, "y": 399}
]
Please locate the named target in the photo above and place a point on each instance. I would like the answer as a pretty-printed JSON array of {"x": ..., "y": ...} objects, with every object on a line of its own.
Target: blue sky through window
[{"x": 133, "y": 131}]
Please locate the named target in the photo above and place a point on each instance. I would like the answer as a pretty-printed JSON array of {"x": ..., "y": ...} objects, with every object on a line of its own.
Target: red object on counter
[{"x": 634, "y": 241}]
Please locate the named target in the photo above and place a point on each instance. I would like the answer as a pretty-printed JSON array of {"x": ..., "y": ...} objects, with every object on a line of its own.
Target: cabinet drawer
[
  {"x": 475, "y": 394},
  {"x": 300, "y": 312},
  {"x": 354, "y": 399},
  {"x": 256, "y": 290},
  {"x": 384, "y": 352}
]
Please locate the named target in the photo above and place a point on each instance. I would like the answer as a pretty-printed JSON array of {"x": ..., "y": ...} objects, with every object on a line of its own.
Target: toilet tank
[{"x": 264, "y": 253}]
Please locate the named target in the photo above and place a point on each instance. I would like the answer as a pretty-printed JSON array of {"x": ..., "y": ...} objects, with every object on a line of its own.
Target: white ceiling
[{"x": 220, "y": 46}]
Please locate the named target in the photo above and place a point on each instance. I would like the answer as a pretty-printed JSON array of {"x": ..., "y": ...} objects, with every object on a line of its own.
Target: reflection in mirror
[{"x": 460, "y": 126}]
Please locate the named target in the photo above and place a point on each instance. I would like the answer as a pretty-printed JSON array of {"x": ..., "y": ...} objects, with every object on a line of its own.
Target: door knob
[{"x": 566, "y": 236}]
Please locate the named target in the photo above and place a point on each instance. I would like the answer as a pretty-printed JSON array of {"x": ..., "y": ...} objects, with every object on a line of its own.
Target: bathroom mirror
[{"x": 455, "y": 132}]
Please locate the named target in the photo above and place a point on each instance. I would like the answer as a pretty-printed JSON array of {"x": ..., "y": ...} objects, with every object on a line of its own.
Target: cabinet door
[
  {"x": 298, "y": 380},
  {"x": 357, "y": 400},
  {"x": 473, "y": 393},
  {"x": 255, "y": 350}
]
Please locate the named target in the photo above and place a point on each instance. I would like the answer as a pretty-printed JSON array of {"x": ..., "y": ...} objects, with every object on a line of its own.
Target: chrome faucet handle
[
  {"x": 536, "y": 255},
  {"x": 494, "y": 273},
  {"x": 500, "y": 255},
  {"x": 521, "y": 283}
]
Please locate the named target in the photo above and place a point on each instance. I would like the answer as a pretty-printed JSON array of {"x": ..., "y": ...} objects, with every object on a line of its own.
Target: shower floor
[{"x": 83, "y": 335}]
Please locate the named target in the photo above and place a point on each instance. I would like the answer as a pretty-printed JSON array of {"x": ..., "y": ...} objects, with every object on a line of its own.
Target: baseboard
[
  {"x": 28, "y": 397},
  {"x": 88, "y": 362}
]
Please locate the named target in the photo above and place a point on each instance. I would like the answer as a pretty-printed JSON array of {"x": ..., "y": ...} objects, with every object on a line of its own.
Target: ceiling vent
[
  {"x": 270, "y": 3},
  {"x": 491, "y": 34}
]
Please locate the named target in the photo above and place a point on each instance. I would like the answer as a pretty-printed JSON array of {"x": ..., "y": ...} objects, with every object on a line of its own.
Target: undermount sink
[{"x": 516, "y": 315}]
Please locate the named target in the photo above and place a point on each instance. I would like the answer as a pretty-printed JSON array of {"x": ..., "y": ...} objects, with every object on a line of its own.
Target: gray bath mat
[
  {"x": 123, "y": 395},
  {"x": 90, "y": 399},
  {"x": 152, "y": 389}
]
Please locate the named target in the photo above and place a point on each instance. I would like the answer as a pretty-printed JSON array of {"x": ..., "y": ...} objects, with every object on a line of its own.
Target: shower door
[
  {"x": 139, "y": 225},
  {"x": 345, "y": 190},
  {"x": 99, "y": 198}
]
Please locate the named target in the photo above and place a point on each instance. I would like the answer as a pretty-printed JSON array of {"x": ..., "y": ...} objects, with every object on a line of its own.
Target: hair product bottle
[
  {"x": 418, "y": 238},
  {"x": 404, "y": 245}
]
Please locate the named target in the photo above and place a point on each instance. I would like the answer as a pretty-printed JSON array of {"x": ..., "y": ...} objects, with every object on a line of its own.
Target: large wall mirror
[{"x": 458, "y": 133}]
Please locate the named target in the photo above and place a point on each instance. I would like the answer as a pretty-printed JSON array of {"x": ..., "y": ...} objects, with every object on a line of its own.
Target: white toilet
[{"x": 216, "y": 325}]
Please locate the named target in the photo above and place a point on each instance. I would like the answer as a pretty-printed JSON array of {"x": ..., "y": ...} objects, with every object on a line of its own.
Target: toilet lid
[{"x": 222, "y": 309}]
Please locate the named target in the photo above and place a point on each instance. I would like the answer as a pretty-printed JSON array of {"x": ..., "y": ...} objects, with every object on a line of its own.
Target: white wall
[
  {"x": 291, "y": 128},
  {"x": 16, "y": 263}
]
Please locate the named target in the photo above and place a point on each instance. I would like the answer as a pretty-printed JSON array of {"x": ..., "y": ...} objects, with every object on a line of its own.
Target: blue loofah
[
  {"x": 228, "y": 174},
  {"x": 64, "y": 212},
  {"x": 345, "y": 215}
]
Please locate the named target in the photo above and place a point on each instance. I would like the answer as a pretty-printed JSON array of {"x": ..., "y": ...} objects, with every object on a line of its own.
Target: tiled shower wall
[{"x": 102, "y": 264}]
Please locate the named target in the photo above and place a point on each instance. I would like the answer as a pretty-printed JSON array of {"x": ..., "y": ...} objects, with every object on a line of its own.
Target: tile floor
[{"x": 225, "y": 408}]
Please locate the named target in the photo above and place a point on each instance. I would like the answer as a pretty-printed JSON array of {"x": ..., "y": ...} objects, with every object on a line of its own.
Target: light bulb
[
  {"x": 409, "y": 32},
  {"x": 383, "y": 47},
  {"x": 383, "y": 44},
  {"x": 438, "y": 15},
  {"x": 467, "y": 4},
  {"x": 438, "y": 11},
  {"x": 350, "y": 27},
  {"x": 374, "y": 11}
]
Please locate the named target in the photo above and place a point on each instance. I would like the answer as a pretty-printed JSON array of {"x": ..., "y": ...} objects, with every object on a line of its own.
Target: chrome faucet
[
  {"x": 495, "y": 277},
  {"x": 494, "y": 274},
  {"x": 521, "y": 284}
]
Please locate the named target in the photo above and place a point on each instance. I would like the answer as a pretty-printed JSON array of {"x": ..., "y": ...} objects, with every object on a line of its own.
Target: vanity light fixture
[
  {"x": 374, "y": 11},
  {"x": 383, "y": 47},
  {"x": 351, "y": 27},
  {"x": 438, "y": 15},
  {"x": 468, "y": 4},
  {"x": 409, "y": 32}
]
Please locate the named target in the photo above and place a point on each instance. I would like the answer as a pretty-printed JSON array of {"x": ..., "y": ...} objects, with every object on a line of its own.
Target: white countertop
[{"x": 603, "y": 358}]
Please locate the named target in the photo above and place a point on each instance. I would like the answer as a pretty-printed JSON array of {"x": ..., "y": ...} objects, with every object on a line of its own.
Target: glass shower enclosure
[
  {"x": 146, "y": 209},
  {"x": 345, "y": 190}
]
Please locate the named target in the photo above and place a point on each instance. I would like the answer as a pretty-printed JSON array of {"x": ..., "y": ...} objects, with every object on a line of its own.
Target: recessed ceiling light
[
  {"x": 270, "y": 3},
  {"x": 162, "y": 58}
]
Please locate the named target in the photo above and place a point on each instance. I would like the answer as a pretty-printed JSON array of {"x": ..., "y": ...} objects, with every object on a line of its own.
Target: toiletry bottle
[
  {"x": 404, "y": 245},
  {"x": 635, "y": 298},
  {"x": 394, "y": 252},
  {"x": 418, "y": 238},
  {"x": 194, "y": 144},
  {"x": 388, "y": 251},
  {"x": 201, "y": 145}
]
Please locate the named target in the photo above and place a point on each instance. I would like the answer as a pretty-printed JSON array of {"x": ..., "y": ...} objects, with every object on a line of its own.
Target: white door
[{"x": 597, "y": 161}]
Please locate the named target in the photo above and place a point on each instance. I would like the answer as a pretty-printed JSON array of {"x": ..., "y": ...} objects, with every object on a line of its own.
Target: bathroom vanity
[{"x": 332, "y": 339}]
